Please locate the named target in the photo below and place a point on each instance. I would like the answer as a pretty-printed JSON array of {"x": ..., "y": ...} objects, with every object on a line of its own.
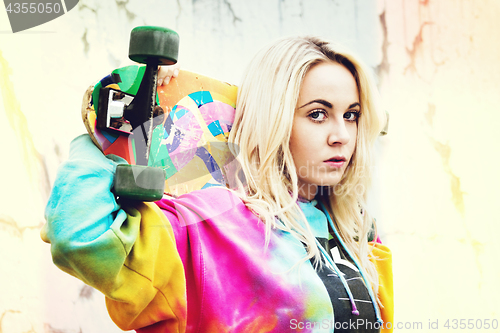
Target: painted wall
[
  {"x": 440, "y": 80},
  {"x": 436, "y": 186}
]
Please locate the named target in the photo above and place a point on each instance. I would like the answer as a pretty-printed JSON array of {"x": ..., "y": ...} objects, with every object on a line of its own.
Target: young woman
[{"x": 289, "y": 249}]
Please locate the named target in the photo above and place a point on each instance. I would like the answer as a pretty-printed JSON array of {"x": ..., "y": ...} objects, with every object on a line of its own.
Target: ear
[{"x": 385, "y": 130}]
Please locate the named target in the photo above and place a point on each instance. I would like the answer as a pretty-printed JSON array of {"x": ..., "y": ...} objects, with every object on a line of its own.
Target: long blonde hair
[{"x": 266, "y": 104}]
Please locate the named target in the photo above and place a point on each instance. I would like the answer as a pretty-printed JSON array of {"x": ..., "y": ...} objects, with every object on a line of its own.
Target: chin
[{"x": 330, "y": 179}]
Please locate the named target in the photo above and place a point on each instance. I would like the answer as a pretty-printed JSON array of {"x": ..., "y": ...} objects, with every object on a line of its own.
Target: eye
[
  {"x": 351, "y": 115},
  {"x": 317, "y": 116}
]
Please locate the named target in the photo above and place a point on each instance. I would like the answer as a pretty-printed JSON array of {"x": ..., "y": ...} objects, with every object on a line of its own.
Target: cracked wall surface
[
  {"x": 436, "y": 185},
  {"x": 440, "y": 80}
]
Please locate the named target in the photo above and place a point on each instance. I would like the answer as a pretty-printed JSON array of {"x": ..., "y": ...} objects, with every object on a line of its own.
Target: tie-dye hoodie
[{"x": 197, "y": 263}]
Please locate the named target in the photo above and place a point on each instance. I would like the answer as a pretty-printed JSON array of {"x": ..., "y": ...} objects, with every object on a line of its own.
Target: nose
[{"x": 339, "y": 135}]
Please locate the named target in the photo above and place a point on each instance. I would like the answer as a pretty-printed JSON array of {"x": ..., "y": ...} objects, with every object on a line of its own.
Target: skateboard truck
[{"x": 138, "y": 115}]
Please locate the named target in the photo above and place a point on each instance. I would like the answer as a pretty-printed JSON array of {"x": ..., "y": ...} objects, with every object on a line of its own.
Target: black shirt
[{"x": 345, "y": 320}]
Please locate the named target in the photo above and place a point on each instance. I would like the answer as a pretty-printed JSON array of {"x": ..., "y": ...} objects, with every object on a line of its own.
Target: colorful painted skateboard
[{"x": 182, "y": 144}]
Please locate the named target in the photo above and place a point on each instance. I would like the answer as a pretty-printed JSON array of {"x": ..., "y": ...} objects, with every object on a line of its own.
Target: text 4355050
[{"x": 469, "y": 324}]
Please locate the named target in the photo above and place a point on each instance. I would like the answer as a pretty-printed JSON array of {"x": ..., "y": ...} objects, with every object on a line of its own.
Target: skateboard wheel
[
  {"x": 154, "y": 44},
  {"x": 139, "y": 182}
]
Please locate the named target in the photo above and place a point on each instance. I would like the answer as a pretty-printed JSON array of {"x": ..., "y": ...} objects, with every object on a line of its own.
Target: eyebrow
[
  {"x": 328, "y": 104},
  {"x": 320, "y": 101}
]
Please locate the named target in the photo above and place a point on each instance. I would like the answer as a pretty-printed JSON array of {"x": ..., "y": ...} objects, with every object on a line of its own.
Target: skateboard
[{"x": 173, "y": 137}]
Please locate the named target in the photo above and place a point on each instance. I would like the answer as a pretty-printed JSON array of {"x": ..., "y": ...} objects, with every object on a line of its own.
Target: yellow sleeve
[
  {"x": 383, "y": 262},
  {"x": 129, "y": 253},
  {"x": 151, "y": 286}
]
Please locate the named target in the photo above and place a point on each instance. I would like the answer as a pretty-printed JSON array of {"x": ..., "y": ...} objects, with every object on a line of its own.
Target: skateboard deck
[{"x": 189, "y": 141}]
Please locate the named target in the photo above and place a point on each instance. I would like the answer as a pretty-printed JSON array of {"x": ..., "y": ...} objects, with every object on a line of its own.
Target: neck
[{"x": 307, "y": 191}]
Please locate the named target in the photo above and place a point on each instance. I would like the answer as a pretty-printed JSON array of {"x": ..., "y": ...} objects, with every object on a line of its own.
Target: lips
[{"x": 336, "y": 161}]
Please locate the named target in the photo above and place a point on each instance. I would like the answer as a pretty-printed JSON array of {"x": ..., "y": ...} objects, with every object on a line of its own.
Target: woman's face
[{"x": 324, "y": 127}]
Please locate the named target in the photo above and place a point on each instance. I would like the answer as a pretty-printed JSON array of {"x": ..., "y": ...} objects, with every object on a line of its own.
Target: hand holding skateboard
[
  {"x": 166, "y": 73},
  {"x": 173, "y": 136}
]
